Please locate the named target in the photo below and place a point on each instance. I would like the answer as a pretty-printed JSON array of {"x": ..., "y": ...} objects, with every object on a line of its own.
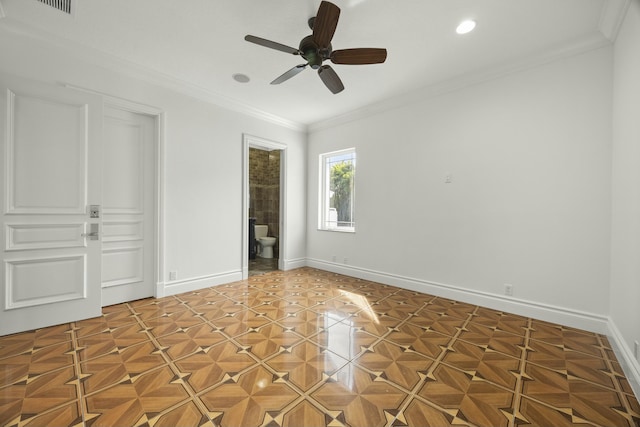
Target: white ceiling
[{"x": 199, "y": 44}]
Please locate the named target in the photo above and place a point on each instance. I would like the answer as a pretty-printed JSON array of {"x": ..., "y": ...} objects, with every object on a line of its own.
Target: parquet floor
[{"x": 310, "y": 348}]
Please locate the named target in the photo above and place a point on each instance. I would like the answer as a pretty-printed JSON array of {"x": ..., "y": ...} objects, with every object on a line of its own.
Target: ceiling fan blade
[
  {"x": 271, "y": 44},
  {"x": 325, "y": 24},
  {"x": 286, "y": 76},
  {"x": 360, "y": 56},
  {"x": 330, "y": 79}
]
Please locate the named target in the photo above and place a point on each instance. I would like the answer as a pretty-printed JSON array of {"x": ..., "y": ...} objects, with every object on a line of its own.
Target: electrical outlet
[
  {"x": 636, "y": 350},
  {"x": 448, "y": 179},
  {"x": 346, "y": 260},
  {"x": 508, "y": 290},
  {"x": 173, "y": 275},
  {"x": 334, "y": 258}
]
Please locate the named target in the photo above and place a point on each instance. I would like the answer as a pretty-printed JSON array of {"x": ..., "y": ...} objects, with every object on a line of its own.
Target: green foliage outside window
[{"x": 341, "y": 177}]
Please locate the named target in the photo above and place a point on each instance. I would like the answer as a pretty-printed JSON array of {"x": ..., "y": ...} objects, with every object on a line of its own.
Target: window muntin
[{"x": 337, "y": 190}]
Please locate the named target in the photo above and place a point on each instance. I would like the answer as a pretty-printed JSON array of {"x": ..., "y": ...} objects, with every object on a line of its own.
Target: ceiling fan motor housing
[{"x": 312, "y": 53}]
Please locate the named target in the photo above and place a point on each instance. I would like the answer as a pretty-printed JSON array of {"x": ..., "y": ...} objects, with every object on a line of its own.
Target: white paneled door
[
  {"x": 128, "y": 206},
  {"x": 51, "y": 174}
]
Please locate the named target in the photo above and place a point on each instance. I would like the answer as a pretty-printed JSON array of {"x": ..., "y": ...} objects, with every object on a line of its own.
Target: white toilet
[{"x": 265, "y": 243}]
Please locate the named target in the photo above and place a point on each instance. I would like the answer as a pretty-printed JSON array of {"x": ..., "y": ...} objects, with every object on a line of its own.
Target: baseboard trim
[
  {"x": 290, "y": 264},
  {"x": 192, "y": 284},
  {"x": 623, "y": 352},
  {"x": 565, "y": 316}
]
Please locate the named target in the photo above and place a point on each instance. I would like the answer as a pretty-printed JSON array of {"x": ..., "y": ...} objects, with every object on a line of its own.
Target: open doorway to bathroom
[
  {"x": 263, "y": 242},
  {"x": 264, "y": 210}
]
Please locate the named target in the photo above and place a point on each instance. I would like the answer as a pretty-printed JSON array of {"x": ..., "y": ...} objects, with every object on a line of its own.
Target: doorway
[
  {"x": 264, "y": 210},
  {"x": 263, "y": 202}
]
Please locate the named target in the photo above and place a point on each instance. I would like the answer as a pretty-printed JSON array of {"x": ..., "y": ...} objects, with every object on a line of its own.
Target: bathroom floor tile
[{"x": 311, "y": 348}]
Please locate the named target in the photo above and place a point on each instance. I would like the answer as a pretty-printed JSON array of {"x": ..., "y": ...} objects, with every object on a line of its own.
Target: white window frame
[{"x": 324, "y": 222}]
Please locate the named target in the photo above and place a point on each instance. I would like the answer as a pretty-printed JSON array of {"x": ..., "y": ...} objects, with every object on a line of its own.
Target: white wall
[
  {"x": 203, "y": 162},
  {"x": 625, "y": 242},
  {"x": 529, "y": 205}
]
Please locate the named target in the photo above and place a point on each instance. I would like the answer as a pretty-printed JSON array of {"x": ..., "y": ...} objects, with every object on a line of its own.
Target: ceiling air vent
[{"x": 61, "y": 5}]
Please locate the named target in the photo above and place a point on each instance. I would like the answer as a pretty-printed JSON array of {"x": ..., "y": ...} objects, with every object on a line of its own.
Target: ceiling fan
[{"x": 316, "y": 48}]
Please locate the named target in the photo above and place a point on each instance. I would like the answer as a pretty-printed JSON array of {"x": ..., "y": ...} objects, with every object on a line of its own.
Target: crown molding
[
  {"x": 137, "y": 71},
  {"x": 585, "y": 44},
  {"x": 612, "y": 17}
]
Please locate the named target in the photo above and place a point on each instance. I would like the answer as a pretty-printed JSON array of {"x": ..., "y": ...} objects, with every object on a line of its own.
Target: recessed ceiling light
[
  {"x": 241, "y": 78},
  {"x": 466, "y": 26}
]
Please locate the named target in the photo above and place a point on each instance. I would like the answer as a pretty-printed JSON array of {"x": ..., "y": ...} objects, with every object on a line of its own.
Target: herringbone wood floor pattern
[{"x": 310, "y": 348}]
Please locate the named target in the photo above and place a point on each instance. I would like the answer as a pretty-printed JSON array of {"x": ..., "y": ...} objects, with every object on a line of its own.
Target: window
[{"x": 337, "y": 190}]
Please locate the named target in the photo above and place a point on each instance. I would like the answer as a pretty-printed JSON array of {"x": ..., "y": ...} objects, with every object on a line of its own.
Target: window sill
[{"x": 339, "y": 230}]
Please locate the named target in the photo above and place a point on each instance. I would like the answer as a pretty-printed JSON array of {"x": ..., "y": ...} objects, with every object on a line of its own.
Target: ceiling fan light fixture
[{"x": 466, "y": 26}]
